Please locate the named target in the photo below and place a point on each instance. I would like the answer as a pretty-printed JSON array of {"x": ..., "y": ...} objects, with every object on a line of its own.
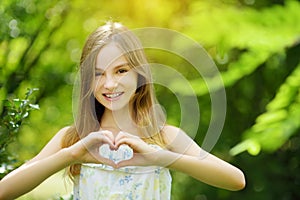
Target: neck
[{"x": 117, "y": 121}]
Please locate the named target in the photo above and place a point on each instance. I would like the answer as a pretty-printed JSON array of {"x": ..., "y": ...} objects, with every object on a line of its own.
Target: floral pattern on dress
[{"x": 97, "y": 181}]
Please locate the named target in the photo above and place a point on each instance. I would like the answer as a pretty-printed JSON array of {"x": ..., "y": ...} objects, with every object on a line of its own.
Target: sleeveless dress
[{"x": 99, "y": 181}]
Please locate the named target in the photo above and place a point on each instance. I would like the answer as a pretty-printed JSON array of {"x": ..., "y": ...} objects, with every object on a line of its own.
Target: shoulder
[
  {"x": 53, "y": 146},
  {"x": 173, "y": 135},
  {"x": 170, "y": 131},
  {"x": 178, "y": 141},
  {"x": 63, "y": 131},
  {"x": 58, "y": 137}
]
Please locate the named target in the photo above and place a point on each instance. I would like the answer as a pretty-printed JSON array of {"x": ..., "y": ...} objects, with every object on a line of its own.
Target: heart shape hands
[{"x": 124, "y": 152}]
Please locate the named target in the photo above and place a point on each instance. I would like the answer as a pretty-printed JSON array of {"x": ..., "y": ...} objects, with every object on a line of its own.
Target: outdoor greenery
[
  {"x": 254, "y": 43},
  {"x": 14, "y": 113}
]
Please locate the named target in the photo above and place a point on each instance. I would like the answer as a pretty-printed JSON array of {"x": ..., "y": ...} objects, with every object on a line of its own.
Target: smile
[{"x": 112, "y": 95}]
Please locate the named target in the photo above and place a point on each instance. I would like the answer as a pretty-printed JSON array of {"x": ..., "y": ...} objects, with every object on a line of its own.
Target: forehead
[{"x": 109, "y": 56}]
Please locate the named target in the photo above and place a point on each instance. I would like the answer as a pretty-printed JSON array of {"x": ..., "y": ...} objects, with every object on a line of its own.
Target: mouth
[{"x": 112, "y": 96}]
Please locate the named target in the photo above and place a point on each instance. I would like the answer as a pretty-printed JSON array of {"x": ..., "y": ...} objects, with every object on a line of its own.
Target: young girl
[{"x": 119, "y": 146}]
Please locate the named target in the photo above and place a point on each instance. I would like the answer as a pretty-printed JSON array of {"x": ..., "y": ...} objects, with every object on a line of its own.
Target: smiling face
[{"x": 116, "y": 81}]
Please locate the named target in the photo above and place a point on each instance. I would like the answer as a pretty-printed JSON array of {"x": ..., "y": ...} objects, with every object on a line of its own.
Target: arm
[
  {"x": 51, "y": 160},
  {"x": 186, "y": 156},
  {"x": 183, "y": 154},
  {"x": 210, "y": 170},
  {"x": 31, "y": 175},
  {"x": 35, "y": 171}
]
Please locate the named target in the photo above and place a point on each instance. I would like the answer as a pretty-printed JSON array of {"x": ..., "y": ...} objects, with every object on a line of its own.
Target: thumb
[
  {"x": 107, "y": 161},
  {"x": 124, "y": 163}
]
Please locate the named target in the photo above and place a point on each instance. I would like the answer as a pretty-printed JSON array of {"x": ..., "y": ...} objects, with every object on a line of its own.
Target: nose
[{"x": 110, "y": 83}]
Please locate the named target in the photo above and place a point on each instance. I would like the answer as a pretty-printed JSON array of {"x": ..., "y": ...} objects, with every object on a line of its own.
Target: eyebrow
[{"x": 116, "y": 67}]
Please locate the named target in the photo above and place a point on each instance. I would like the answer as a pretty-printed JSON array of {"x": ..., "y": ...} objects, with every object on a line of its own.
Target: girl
[{"x": 119, "y": 146}]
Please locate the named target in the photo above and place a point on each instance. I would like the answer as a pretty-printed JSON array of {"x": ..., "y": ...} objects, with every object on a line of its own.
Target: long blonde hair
[{"x": 146, "y": 112}]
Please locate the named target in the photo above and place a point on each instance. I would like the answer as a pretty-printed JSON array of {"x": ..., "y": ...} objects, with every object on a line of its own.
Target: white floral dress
[{"x": 97, "y": 181}]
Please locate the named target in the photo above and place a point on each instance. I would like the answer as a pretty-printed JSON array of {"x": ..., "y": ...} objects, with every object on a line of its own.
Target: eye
[
  {"x": 122, "y": 71},
  {"x": 98, "y": 73}
]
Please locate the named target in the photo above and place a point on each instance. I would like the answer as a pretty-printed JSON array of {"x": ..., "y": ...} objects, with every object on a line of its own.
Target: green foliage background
[{"x": 255, "y": 44}]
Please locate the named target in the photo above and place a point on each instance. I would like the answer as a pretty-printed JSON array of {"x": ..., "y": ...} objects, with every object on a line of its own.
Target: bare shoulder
[
  {"x": 179, "y": 141},
  {"x": 62, "y": 132},
  {"x": 53, "y": 146},
  {"x": 174, "y": 136},
  {"x": 58, "y": 137},
  {"x": 170, "y": 132}
]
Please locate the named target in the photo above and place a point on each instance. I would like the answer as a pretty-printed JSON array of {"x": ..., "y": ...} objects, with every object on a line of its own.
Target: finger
[
  {"x": 111, "y": 137},
  {"x": 126, "y": 138},
  {"x": 105, "y": 133},
  {"x": 106, "y": 161},
  {"x": 120, "y": 135},
  {"x": 125, "y": 141},
  {"x": 136, "y": 160},
  {"x": 97, "y": 158},
  {"x": 108, "y": 134},
  {"x": 107, "y": 140},
  {"x": 123, "y": 134},
  {"x": 124, "y": 163},
  {"x": 97, "y": 139}
]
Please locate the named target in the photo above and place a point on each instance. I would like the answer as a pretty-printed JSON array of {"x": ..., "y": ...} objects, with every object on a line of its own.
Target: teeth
[{"x": 114, "y": 95}]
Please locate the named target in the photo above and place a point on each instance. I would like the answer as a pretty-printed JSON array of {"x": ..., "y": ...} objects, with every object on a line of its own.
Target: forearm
[
  {"x": 208, "y": 169},
  {"x": 29, "y": 176}
]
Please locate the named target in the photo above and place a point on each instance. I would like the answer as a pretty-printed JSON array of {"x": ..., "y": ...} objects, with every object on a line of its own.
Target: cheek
[
  {"x": 134, "y": 83},
  {"x": 130, "y": 81},
  {"x": 97, "y": 84}
]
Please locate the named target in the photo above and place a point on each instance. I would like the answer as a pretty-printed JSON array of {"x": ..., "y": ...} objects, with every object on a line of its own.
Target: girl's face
[{"x": 116, "y": 81}]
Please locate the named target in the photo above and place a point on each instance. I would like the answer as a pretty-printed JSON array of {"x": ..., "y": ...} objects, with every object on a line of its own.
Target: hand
[
  {"x": 86, "y": 150},
  {"x": 143, "y": 153}
]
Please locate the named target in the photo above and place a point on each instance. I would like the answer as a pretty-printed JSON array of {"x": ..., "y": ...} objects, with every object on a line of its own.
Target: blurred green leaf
[{"x": 274, "y": 127}]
